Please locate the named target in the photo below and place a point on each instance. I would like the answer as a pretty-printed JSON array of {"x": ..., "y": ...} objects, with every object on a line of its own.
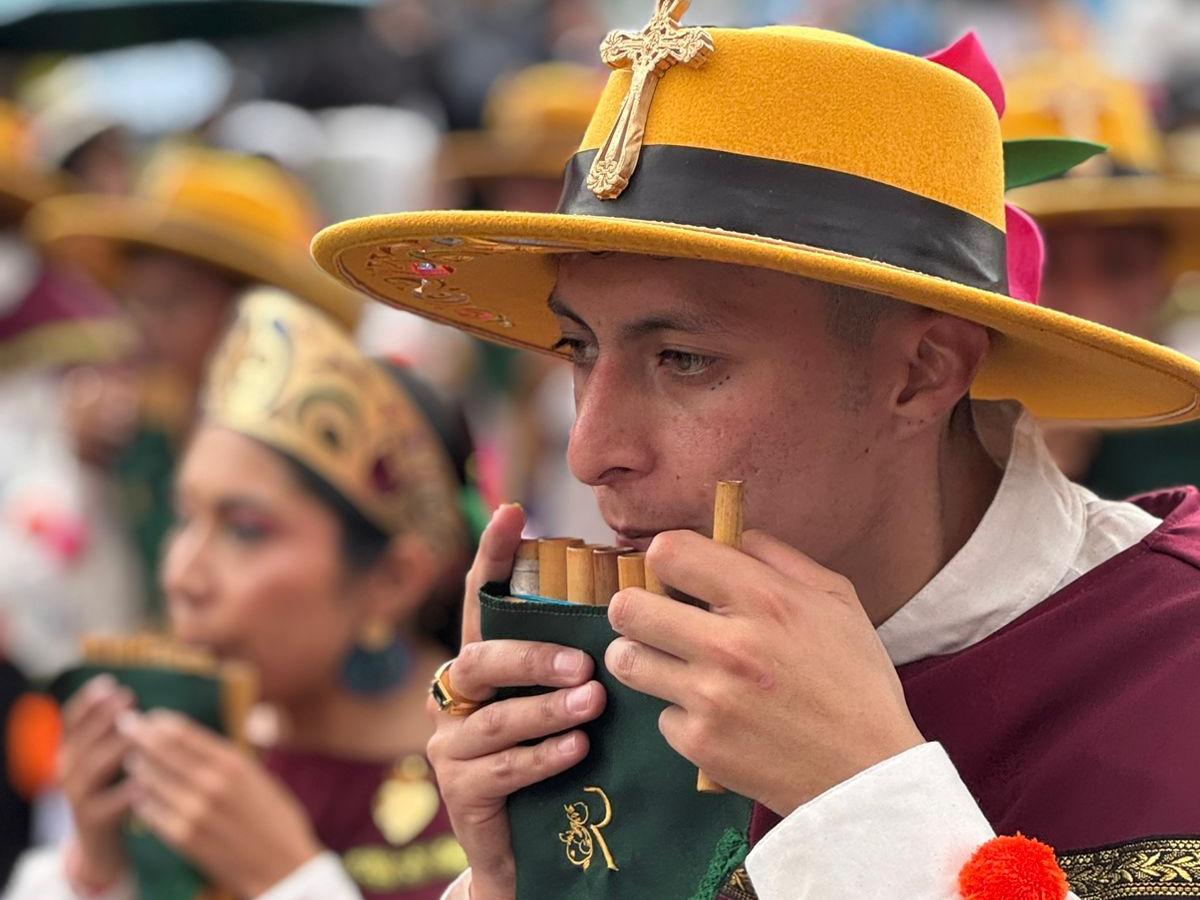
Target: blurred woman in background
[{"x": 321, "y": 537}]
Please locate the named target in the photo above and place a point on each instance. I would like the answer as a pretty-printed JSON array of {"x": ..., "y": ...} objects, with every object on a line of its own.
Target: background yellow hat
[
  {"x": 22, "y": 181},
  {"x": 793, "y": 149},
  {"x": 1073, "y": 94},
  {"x": 532, "y": 124},
  {"x": 240, "y": 213}
]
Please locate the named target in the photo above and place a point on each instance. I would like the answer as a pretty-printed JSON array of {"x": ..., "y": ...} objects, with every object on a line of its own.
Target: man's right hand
[{"x": 482, "y": 758}]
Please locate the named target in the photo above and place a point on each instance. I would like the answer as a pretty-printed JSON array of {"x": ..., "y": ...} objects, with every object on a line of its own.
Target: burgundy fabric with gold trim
[{"x": 1078, "y": 723}]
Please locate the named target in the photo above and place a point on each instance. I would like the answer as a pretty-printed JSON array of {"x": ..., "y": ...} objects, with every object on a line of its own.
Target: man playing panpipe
[{"x": 783, "y": 256}]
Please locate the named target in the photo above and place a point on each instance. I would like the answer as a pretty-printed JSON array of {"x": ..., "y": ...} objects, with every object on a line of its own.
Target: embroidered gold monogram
[
  {"x": 583, "y": 836},
  {"x": 1156, "y": 867},
  {"x": 650, "y": 54}
]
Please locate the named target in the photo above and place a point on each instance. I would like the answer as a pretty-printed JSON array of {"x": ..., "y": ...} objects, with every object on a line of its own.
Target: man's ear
[
  {"x": 398, "y": 583},
  {"x": 944, "y": 355}
]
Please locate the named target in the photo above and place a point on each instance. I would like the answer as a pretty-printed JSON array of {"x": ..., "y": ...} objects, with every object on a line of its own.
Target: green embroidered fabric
[
  {"x": 162, "y": 874},
  {"x": 627, "y": 823}
]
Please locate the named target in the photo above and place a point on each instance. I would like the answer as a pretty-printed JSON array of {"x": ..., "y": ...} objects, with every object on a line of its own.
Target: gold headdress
[{"x": 286, "y": 375}]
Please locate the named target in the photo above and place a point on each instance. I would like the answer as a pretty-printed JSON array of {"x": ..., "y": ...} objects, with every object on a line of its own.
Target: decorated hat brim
[
  {"x": 492, "y": 273},
  {"x": 137, "y": 222},
  {"x": 1171, "y": 202}
]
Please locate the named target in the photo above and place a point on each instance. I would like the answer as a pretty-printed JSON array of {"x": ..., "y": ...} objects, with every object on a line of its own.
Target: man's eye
[
  {"x": 685, "y": 363},
  {"x": 581, "y": 351}
]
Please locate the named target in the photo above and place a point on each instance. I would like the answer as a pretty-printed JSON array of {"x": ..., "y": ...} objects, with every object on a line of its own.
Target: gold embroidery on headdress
[
  {"x": 287, "y": 376},
  {"x": 650, "y": 54}
]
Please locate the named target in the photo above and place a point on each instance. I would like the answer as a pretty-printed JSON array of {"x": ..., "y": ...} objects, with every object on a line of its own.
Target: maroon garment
[
  {"x": 386, "y": 821},
  {"x": 1079, "y": 723}
]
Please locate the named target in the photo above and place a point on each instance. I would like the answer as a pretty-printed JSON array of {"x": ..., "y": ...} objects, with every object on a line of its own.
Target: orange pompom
[
  {"x": 1013, "y": 868},
  {"x": 34, "y": 732}
]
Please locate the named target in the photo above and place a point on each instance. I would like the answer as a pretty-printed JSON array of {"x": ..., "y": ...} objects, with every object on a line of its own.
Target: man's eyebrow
[
  {"x": 687, "y": 321},
  {"x": 561, "y": 309}
]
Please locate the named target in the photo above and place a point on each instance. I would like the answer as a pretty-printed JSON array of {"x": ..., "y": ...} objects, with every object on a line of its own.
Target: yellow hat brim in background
[
  {"x": 479, "y": 156},
  {"x": 492, "y": 274},
  {"x": 135, "y": 221},
  {"x": 21, "y": 189},
  {"x": 1172, "y": 202}
]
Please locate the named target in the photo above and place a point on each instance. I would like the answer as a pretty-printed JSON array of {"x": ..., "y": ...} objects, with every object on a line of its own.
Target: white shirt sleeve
[
  {"x": 460, "y": 889},
  {"x": 41, "y": 874},
  {"x": 321, "y": 878},
  {"x": 901, "y": 830}
]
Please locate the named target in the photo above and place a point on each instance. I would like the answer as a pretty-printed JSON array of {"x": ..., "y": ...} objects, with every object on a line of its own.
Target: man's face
[
  {"x": 687, "y": 373},
  {"x": 1113, "y": 274}
]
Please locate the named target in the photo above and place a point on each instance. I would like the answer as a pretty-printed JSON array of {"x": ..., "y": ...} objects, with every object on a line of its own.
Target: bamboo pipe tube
[
  {"x": 631, "y": 571},
  {"x": 525, "y": 569},
  {"x": 605, "y": 574},
  {"x": 727, "y": 530},
  {"x": 552, "y": 566},
  {"x": 581, "y": 578}
]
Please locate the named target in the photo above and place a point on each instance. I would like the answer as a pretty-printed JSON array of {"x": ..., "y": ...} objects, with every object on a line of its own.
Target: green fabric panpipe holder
[
  {"x": 627, "y": 823},
  {"x": 162, "y": 874}
]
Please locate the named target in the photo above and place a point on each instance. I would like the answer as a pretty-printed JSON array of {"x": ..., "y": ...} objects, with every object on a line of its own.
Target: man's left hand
[{"x": 781, "y": 689}]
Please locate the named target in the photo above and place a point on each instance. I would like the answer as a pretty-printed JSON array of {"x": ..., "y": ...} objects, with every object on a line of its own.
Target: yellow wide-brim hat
[
  {"x": 800, "y": 151},
  {"x": 241, "y": 214},
  {"x": 1073, "y": 94}
]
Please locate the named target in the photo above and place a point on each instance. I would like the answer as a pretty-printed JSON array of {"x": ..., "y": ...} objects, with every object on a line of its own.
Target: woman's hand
[
  {"x": 482, "y": 758},
  {"x": 89, "y": 764},
  {"x": 215, "y": 804}
]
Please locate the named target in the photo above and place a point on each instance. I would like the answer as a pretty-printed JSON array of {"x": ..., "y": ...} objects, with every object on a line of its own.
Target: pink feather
[{"x": 967, "y": 57}]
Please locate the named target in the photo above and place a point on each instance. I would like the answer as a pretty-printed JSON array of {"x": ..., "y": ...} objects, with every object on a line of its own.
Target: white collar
[{"x": 1039, "y": 534}]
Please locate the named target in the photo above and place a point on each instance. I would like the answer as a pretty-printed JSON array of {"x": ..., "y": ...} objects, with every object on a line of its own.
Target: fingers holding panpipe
[
  {"x": 484, "y": 666},
  {"x": 507, "y": 723}
]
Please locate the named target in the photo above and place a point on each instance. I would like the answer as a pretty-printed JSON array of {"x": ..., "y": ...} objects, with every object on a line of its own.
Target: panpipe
[
  {"x": 567, "y": 570},
  {"x": 163, "y": 674},
  {"x": 595, "y": 831}
]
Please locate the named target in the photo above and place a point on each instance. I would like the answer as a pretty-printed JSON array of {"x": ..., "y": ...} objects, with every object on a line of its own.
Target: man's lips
[
  {"x": 640, "y": 538},
  {"x": 635, "y": 540}
]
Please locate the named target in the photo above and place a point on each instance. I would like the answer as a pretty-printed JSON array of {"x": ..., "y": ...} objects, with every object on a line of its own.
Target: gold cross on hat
[{"x": 651, "y": 53}]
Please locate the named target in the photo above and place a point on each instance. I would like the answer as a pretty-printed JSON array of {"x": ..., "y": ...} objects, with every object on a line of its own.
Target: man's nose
[{"x": 612, "y": 438}]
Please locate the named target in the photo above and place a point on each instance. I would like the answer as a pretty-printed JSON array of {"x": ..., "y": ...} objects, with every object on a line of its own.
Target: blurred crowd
[{"x": 144, "y": 190}]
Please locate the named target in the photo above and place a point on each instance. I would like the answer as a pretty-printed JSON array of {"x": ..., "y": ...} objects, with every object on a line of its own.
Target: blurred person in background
[
  {"x": 64, "y": 568},
  {"x": 322, "y": 535},
  {"x": 201, "y": 226},
  {"x": 1120, "y": 231}
]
